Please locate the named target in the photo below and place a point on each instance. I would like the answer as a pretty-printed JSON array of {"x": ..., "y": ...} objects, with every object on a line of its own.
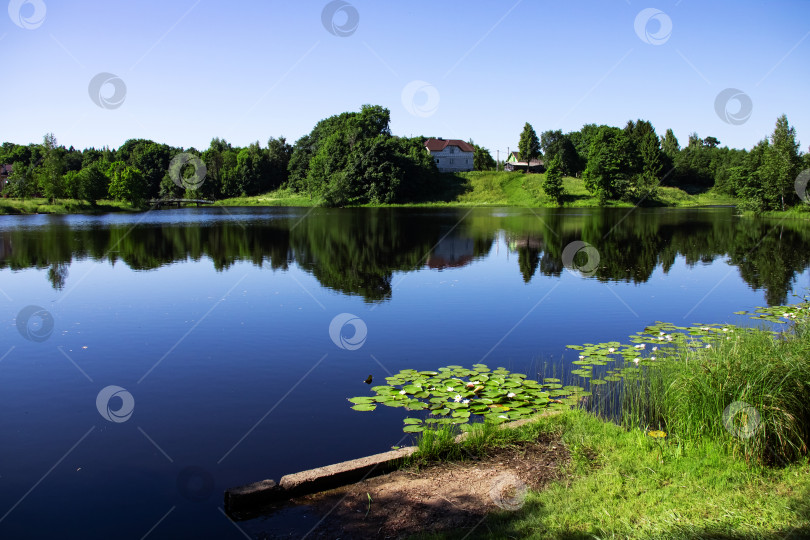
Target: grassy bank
[
  {"x": 279, "y": 197},
  {"x": 708, "y": 473},
  {"x": 60, "y": 206},
  {"x": 518, "y": 189},
  {"x": 502, "y": 189},
  {"x": 625, "y": 484},
  {"x": 460, "y": 190}
]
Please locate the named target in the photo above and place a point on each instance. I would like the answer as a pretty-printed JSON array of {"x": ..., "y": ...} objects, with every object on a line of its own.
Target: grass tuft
[{"x": 751, "y": 393}]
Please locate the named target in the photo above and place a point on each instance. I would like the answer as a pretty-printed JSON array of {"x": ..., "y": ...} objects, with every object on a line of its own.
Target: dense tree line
[
  {"x": 141, "y": 170},
  {"x": 352, "y": 158},
  {"x": 631, "y": 163}
]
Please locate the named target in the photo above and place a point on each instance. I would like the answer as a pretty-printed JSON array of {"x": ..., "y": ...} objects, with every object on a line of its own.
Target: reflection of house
[
  {"x": 451, "y": 155},
  {"x": 452, "y": 252},
  {"x": 513, "y": 163},
  {"x": 5, "y": 172}
]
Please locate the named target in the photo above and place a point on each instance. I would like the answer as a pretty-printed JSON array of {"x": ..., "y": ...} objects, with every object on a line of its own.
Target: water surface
[{"x": 216, "y": 322}]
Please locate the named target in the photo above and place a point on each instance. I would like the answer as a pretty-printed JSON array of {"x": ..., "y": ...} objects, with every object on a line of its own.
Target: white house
[{"x": 451, "y": 155}]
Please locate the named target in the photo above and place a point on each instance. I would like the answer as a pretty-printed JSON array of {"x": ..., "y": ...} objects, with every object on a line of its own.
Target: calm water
[{"x": 215, "y": 327}]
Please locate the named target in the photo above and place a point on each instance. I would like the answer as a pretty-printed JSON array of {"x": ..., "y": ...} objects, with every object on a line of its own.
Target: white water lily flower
[
  {"x": 655, "y": 348},
  {"x": 660, "y": 338},
  {"x": 465, "y": 401},
  {"x": 709, "y": 346},
  {"x": 640, "y": 346},
  {"x": 705, "y": 328},
  {"x": 661, "y": 333},
  {"x": 450, "y": 389},
  {"x": 611, "y": 349},
  {"x": 511, "y": 395},
  {"x": 457, "y": 399},
  {"x": 403, "y": 392},
  {"x": 581, "y": 357},
  {"x": 652, "y": 358},
  {"x": 635, "y": 360},
  {"x": 504, "y": 417},
  {"x": 725, "y": 329}
]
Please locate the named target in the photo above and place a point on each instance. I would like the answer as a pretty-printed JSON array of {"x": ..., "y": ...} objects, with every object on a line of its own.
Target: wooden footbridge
[{"x": 179, "y": 202}]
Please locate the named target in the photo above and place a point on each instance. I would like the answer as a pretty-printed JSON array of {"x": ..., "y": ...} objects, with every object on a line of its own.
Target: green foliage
[
  {"x": 70, "y": 182},
  {"x": 49, "y": 173},
  {"x": 608, "y": 173},
  {"x": 482, "y": 159},
  {"x": 555, "y": 144},
  {"x": 780, "y": 167},
  {"x": 150, "y": 158},
  {"x": 553, "y": 182},
  {"x": 93, "y": 182},
  {"x": 252, "y": 169},
  {"x": 126, "y": 183},
  {"x": 21, "y": 183},
  {"x": 529, "y": 144},
  {"x": 352, "y": 158},
  {"x": 647, "y": 181}
]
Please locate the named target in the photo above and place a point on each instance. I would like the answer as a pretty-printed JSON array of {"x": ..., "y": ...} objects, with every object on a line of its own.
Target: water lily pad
[{"x": 364, "y": 407}]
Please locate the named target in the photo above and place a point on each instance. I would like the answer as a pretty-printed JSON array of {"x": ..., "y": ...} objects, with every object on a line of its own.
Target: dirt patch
[{"x": 439, "y": 497}]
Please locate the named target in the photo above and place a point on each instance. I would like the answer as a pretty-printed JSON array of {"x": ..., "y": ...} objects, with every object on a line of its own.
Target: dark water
[{"x": 214, "y": 326}]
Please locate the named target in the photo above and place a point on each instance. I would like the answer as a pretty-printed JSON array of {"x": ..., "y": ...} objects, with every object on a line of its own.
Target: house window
[
  {"x": 451, "y": 161},
  {"x": 452, "y": 149},
  {"x": 437, "y": 160}
]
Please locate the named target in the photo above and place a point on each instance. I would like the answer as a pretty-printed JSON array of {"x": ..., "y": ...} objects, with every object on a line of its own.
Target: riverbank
[
  {"x": 61, "y": 206},
  {"x": 472, "y": 189},
  {"x": 489, "y": 188},
  {"x": 570, "y": 475},
  {"x": 680, "y": 466}
]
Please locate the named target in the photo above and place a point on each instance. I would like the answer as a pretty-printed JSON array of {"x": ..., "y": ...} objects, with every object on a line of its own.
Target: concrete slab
[{"x": 340, "y": 474}]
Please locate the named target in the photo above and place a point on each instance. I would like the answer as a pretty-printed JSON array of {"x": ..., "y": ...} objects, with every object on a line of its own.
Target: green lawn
[
  {"x": 279, "y": 197},
  {"x": 625, "y": 484},
  {"x": 60, "y": 206},
  {"x": 518, "y": 189}
]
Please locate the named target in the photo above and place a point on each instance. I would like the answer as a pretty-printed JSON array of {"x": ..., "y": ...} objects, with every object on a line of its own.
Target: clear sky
[{"x": 249, "y": 70}]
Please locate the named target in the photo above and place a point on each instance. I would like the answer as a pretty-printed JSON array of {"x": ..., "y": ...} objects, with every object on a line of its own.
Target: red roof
[{"x": 437, "y": 145}]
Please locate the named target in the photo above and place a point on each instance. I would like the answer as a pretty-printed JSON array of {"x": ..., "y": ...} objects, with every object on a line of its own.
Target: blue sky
[{"x": 247, "y": 71}]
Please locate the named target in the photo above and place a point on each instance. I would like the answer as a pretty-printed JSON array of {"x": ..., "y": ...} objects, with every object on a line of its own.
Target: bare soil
[{"x": 439, "y": 497}]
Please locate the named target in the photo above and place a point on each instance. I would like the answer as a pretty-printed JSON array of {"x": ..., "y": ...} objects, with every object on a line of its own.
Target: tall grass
[
  {"x": 453, "y": 442},
  {"x": 752, "y": 392}
]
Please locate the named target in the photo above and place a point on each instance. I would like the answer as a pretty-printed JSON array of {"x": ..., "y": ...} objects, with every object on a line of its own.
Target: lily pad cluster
[
  {"x": 456, "y": 395},
  {"x": 651, "y": 345}
]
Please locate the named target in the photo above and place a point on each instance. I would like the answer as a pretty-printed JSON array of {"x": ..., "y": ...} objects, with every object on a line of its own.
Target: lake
[{"x": 172, "y": 354}]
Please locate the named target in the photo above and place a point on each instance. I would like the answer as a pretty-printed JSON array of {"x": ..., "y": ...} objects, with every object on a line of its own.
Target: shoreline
[{"x": 39, "y": 206}]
